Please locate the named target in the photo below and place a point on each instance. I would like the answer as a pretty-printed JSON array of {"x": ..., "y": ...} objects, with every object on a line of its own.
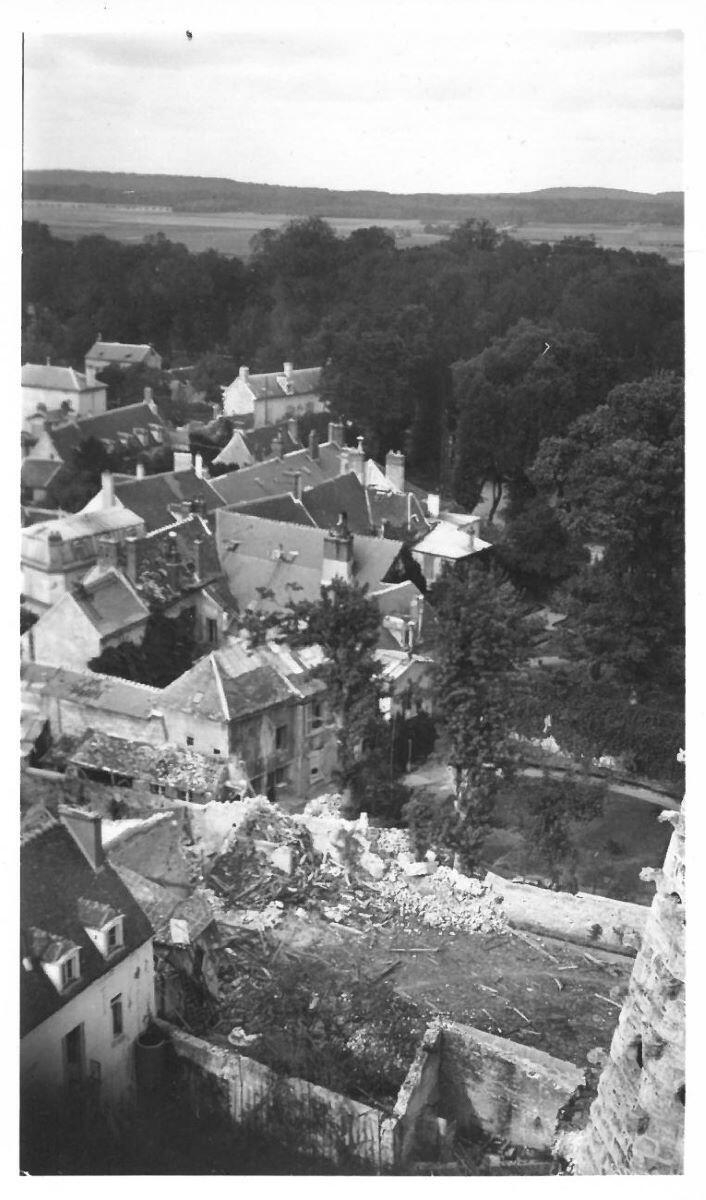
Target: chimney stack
[
  {"x": 139, "y": 470},
  {"x": 297, "y": 485},
  {"x": 148, "y": 396},
  {"x": 107, "y": 552},
  {"x": 288, "y": 370},
  {"x": 433, "y": 504},
  {"x": 357, "y": 460},
  {"x": 338, "y": 553},
  {"x": 131, "y": 558},
  {"x": 86, "y": 830},
  {"x": 107, "y": 490},
  {"x": 198, "y": 466},
  {"x": 335, "y": 433},
  {"x": 244, "y": 374},
  {"x": 344, "y": 460},
  {"x": 91, "y": 376},
  {"x": 173, "y": 561},
  {"x": 276, "y": 446},
  {"x": 54, "y": 544},
  {"x": 182, "y": 460},
  {"x": 313, "y": 446},
  {"x": 197, "y": 544},
  {"x": 293, "y": 430},
  {"x": 394, "y": 470}
]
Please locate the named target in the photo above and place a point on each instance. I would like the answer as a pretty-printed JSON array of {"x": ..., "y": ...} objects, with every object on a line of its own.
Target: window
[
  {"x": 216, "y": 751},
  {"x": 189, "y": 740},
  {"x": 316, "y": 714},
  {"x": 114, "y": 936},
  {"x": 116, "y": 1015},
  {"x": 212, "y": 630},
  {"x": 281, "y": 737},
  {"x": 70, "y": 970}
]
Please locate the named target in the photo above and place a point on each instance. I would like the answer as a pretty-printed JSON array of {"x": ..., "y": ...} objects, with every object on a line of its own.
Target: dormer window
[
  {"x": 114, "y": 936},
  {"x": 70, "y": 969},
  {"x": 103, "y": 925}
]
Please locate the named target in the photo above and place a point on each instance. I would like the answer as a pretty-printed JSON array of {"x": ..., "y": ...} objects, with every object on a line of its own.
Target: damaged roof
[
  {"x": 56, "y": 882},
  {"x": 173, "y": 766},
  {"x": 90, "y": 690}
]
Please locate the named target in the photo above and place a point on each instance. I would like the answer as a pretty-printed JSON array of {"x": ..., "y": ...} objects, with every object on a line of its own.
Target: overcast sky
[{"x": 399, "y": 109}]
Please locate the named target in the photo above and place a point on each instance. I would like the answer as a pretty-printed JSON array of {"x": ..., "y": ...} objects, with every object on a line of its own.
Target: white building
[
  {"x": 87, "y": 970},
  {"x": 274, "y": 397},
  {"x": 45, "y": 389}
]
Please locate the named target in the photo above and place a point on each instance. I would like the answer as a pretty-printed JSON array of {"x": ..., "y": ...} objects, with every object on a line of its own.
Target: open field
[{"x": 230, "y": 232}]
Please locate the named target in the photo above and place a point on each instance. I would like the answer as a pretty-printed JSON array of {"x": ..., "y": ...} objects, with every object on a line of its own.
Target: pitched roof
[
  {"x": 55, "y": 877},
  {"x": 345, "y": 493},
  {"x": 287, "y": 560},
  {"x": 63, "y": 379},
  {"x": 161, "y": 905},
  {"x": 89, "y": 690},
  {"x": 118, "y": 352},
  {"x": 275, "y": 477},
  {"x": 38, "y": 473},
  {"x": 108, "y": 426},
  {"x": 172, "y": 766},
  {"x": 402, "y": 512},
  {"x": 278, "y": 508},
  {"x": 302, "y": 382},
  {"x": 447, "y": 540},
  {"x": 188, "y": 544},
  {"x": 109, "y": 603},
  {"x": 159, "y": 499}
]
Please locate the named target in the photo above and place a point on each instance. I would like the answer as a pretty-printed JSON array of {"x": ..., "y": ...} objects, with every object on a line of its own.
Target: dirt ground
[{"x": 547, "y": 994}]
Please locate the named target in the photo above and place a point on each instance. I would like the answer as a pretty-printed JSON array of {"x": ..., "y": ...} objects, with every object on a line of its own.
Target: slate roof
[
  {"x": 109, "y": 603},
  {"x": 108, "y": 425},
  {"x": 89, "y": 689},
  {"x": 402, "y": 512},
  {"x": 159, "y": 499},
  {"x": 161, "y": 905},
  {"x": 63, "y": 379},
  {"x": 301, "y": 382},
  {"x": 288, "y": 559},
  {"x": 170, "y": 765},
  {"x": 278, "y": 508},
  {"x": 78, "y": 533},
  {"x": 275, "y": 477},
  {"x": 38, "y": 473},
  {"x": 55, "y": 877},
  {"x": 119, "y": 352}
]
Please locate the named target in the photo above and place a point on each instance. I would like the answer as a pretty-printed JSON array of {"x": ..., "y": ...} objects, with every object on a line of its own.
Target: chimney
[
  {"x": 147, "y": 396},
  {"x": 335, "y": 433},
  {"x": 216, "y": 410},
  {"x": 131, "y": 544},
  {"x": 48, "y": 362},
  {"x": 107, "y": 552},
  {"x": 54, "y": 544},
  {"x": 384, "y": 524},
  {"x": 173, "y": 561},
  {"x": 288, "y": 370},
  {"x": 338, "y": 553},
  {"x": 433, "y": 504},
  {"x": 276, "y": 446},
  {"x": 182, "y": 460},
  {"x": 297, "y": 485},
  {"x": 313, "y": 446},
  {"x": 357, "y": 460},
  {"x": 244, "y": 374},
  {"x": 91, "y": 376},
  {"x": 416, "y": 609},
  {"x": 139, "y": 470},
  {"x": 85, "y": 829},
  {"x": 345, "y": 462},
  {"x": 100, "y": 337},
  {"x": 107, "y": 490},
  {"x": 197, "y": 544},
  {"x": 198, "y": 466},
  {"x": 293, "y": 430},
  {"x": 394, "y": 470}
]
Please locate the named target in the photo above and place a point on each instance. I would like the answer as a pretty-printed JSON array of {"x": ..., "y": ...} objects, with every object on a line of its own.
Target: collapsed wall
[{"x": 636, "y": 1123}]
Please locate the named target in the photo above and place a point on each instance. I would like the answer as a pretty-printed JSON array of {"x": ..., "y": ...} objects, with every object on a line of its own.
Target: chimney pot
[
  {"x": 139, "y": 470},
  {"x": 198, "y": 466},
  {"x": 131, "y": 563},
  {"x": 335, "y": 433},
  {"x": 288, "y": 370},
  {"x": 313, "y": 445},
  {"x": 297, "y": 486},
  {"x": 395, "y": 470},
  {"x": 244, "y": 373},
  {"x": 107, "y": 489},
  {"x": 148, "y": 396},
  {"x": 276, "y": 446}
]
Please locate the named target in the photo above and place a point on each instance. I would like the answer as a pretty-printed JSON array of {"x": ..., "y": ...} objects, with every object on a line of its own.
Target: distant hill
[{"x": 186, "y": 193}]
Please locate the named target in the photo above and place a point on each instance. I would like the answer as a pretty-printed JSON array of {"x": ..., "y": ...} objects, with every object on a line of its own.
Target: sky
[{"x": 402, "y": 106}]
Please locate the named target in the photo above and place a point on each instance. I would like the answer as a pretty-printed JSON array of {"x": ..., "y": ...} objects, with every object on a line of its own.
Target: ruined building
[{"x": 636, "y": 1123}]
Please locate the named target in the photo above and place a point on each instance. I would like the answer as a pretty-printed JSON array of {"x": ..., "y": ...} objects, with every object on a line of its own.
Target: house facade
[
  {"x": 270, "y": 398},
  {"x": 86, "y": 971},
  {"x": 48, "y": 389},
  {"x": 95, "y": 614}
]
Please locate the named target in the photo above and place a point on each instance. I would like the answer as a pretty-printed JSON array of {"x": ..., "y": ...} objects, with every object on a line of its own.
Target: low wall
[
  {"x": 325, "y": 1123},
  {"x": 505, "y": 1089},
  {"x": 588, "y": 920}
]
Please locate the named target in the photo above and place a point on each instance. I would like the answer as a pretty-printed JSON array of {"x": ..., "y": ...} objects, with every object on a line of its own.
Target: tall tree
[{"x": 482, "y": 637}]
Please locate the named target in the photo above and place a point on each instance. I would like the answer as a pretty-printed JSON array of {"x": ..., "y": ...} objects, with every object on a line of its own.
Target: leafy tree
[
  {"x": 618, "y": 477},
  {"x": 549, "y": 809},
  {"x": 536, "y": 550},
  {"x": 80, "y": 479},
  {"x": 166, "y": 652},
  {"x": 345, "y": 623},
  {"x": 473, "y": 235},
  {"x": 434, "y": 823},
  {"x": 482, "y": 637}
]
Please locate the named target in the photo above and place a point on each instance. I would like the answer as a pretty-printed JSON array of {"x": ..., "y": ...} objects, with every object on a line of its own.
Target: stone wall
[
  {"x": 587, "y": 920},
  {"x": 636, "y": 1123},
  {"x": 496, "y": 1086}
]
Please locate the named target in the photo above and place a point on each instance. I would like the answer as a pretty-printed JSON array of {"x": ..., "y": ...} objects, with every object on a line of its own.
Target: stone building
[{"x": 636, "y": 1123}]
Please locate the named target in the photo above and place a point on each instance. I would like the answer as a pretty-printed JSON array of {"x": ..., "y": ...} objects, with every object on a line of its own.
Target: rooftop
[
  {"x": 159, "y": 499},
  {"x": 56, "y": 883},
  {"x": 108, "y": 426},
  {"x": 73, "y": 537},
  {"x": 301, "y": 382},
  {"x": 63, "y": 379},
  {"x": 276, "y": 476},
  {"x": 447, "y": 540},
  {"x": 89, "y": 689},
  {"x": 119, "y": 352},
  {"x": 172, "y": 766},
  {"x": 110, "y": 603}
]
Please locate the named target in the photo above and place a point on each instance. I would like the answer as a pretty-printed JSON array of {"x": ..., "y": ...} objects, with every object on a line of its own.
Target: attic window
[
  {"x": 114, "y": 936},
  {"x": 70, "y": 969}
]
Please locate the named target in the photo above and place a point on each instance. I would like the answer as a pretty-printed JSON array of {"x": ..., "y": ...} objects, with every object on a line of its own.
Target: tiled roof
[
  {"x": 278, "y": 508},
  {"x": 55, "y": 877},
  {"x": 63, "y": 379},
  {"x": 302, "y": 382},
  {"x": 288, "y": 559},
  {"x": 90, "y": 690},
  {"x": 346, "y": 494},
  {"x": 447, "y": 540},
  {"x": 109, "y": 603},
  {"x": 108, "y": 425},
  {"x": 275, "y": 477},
  {"x": 119, "y": 352},
  {"x": 38, "y": 473},
  {"x": 159, "y": 499},
  {"x": 172, "y": 766}
]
